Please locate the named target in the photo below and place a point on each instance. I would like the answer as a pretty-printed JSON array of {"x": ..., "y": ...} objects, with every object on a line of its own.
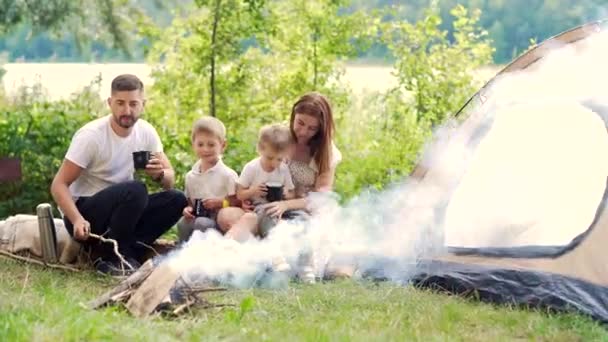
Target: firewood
[
  {"x": 38, "y": 262},
  {"x": 152, "y": 291},
  {"x": 182, "y": 307},
  {"x": 122, "y": 295},
  {"x": 132, "y": 281}
]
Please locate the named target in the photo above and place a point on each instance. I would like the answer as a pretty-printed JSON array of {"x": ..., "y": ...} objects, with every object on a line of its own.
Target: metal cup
[
  {"x": 275, "y": 191},
  {"x": 141, "y": 159},
  {"x": 198, "y": 209}
]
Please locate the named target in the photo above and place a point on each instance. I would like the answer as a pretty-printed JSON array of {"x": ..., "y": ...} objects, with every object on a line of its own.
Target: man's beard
[{"x": 126, "y": 121}]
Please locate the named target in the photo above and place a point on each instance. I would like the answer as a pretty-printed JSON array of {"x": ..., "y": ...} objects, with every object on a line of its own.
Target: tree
[
  {"x": 434, "y": 71},
  {"x": 246, "y": 62},
  {"x": 113, "y": 21}
]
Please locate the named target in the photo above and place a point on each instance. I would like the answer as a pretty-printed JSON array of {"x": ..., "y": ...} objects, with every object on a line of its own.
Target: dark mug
[
  {"x": 198, "y": 209},
  {"x": 274, "y": 191},
  {"x": 141, "y": 159}
]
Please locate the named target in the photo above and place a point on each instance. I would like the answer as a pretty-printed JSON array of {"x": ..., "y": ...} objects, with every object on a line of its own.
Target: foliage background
[
  {"x": 511, "y": 25},
  {"x": 246, "y": 62}
]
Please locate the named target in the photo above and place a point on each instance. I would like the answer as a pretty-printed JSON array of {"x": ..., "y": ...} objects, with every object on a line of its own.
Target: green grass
[{"x": 44, "y": 305}]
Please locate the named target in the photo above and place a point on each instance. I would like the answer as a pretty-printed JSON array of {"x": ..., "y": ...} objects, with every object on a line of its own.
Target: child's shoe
[
  {"x": 306, "y": 269},
  {"x": 280, "y": 265}
]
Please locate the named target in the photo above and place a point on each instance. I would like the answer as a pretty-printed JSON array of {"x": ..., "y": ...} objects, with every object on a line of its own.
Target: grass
[{"x": 38, "y": 304}]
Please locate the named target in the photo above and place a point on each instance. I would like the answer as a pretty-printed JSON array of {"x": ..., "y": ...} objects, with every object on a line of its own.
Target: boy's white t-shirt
[
  {"x": 105, "y": 157},
  {"x": 253, "y": 174},
  {"x": 217, "y": 182}
]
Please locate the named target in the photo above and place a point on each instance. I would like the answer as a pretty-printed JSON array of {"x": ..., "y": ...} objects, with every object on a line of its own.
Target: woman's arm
[{"x": 325, "y": 181}]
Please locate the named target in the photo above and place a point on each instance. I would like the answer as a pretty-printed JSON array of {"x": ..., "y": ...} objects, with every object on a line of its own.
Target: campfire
[{"x": 156, "y": 288}]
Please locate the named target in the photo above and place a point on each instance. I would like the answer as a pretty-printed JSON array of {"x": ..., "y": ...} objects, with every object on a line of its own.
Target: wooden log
[
  {"x": 132, "y": 281},
  {"x": 152, "y": 291}
]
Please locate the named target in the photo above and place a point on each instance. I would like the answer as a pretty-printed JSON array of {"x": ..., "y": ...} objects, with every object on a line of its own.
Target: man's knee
[
  {"x": 135, "y": 191},
  {"x": 178, "y": 198}
]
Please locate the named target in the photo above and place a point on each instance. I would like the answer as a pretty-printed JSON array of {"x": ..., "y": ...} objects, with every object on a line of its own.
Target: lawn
[{"x": 44, "y": 305}]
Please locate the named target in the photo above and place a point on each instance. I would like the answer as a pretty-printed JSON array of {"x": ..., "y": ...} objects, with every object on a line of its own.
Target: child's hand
[
  {"x": 247, "y": 205},
  {"x": 259, "y": 190},
  {"x": 213, "y": 203},
  {"x": 187, "y": 213}
]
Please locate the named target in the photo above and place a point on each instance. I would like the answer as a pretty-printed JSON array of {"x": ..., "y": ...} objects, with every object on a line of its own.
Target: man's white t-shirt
[
  {"x": 253, "y": 174},
  {"x": 105, "y": 157},
  {"x": 218, "y": 181}
]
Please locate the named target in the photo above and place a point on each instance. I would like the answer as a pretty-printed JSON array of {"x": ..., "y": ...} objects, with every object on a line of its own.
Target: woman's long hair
[{"x": 317, "y": 105}]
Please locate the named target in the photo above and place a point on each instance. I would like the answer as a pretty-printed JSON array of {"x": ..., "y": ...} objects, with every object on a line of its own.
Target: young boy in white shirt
[
  {"x": 210, "y": 181},
  {"x": 268, "y": 168}
]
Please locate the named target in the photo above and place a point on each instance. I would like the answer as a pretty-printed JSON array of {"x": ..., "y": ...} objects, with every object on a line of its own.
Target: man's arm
[
  {"x": 160, "y": 166},
  {"x": 67, "y": 174}
]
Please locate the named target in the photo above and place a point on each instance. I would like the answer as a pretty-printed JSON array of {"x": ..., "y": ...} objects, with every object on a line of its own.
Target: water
[{"x": 62, "y": 79}]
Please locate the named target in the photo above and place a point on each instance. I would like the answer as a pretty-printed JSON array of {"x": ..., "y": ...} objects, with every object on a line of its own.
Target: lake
[{"x": 62, "y": 79}]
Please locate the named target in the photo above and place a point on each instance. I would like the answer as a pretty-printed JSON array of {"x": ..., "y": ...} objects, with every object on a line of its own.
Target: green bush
[{"x": 39, "y": 132}]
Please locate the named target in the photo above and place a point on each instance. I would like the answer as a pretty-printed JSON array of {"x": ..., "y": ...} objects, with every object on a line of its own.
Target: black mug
[
  {"x": 141, "y": 159},
  {"x": 274, "y": 191},
  {"x": 198, "y": 209}
]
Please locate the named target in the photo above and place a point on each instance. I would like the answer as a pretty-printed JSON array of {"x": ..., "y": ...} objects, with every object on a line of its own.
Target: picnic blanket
[{"x": 20, "y": 234}]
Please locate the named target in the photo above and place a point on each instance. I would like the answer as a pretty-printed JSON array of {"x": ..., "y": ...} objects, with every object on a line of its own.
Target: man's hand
[
  {"x": 154, "y": 168},
  {"x": 213, "y": 203},
  {"x": 187, "y": 213},
  {"x": 82, "y": 228}
]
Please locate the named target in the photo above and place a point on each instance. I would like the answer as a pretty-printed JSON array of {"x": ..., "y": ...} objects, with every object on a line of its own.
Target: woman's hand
[{"x": 276, "y": 209}]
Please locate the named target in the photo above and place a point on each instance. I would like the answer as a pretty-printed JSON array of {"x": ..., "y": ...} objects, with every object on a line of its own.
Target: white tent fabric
[{"x": 535, "y": 179}]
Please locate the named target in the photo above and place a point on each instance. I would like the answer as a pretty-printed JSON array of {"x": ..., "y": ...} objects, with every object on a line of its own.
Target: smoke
[{"x": 520, "y": 170}]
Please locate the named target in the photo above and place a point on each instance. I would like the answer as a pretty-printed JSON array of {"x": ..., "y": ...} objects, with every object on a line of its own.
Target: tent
[{"x": 501, "y": 252}]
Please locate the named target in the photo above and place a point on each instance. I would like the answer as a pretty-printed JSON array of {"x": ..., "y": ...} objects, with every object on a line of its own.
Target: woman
[
  {"x": 312, "y": 165},
  {"x": 315, "y": 157}
]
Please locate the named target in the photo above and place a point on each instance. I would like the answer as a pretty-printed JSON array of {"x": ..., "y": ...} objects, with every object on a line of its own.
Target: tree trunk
[
  {"x": 212, "y": 87},
  {"x": 315, "y": 59}
]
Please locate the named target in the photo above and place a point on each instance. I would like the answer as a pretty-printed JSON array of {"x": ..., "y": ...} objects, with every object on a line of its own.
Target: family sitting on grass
[{"x": 96, "y": 191}]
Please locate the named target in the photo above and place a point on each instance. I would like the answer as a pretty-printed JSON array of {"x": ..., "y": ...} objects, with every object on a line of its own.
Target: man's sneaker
[
  {"x": 280, "y": 265},
  {"x": 114, "y": 269}
]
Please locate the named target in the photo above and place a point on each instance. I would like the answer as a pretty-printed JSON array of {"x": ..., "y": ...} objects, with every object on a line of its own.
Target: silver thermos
[{"x": 48, "y": 237}]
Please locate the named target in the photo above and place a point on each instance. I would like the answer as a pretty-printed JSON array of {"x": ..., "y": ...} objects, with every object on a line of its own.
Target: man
[{"x": 94, "y": 187}]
